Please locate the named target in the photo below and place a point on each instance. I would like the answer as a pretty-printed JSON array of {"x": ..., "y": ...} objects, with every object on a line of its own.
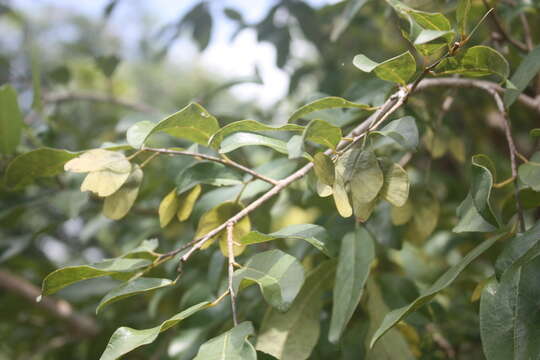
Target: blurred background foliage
[{"x": 99, "y": 73}]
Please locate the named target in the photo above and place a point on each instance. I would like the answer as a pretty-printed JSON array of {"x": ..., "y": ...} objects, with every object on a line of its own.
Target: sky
[{"x": 234, "y": 59}]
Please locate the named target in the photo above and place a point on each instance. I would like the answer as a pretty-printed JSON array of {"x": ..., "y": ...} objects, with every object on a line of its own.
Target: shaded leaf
[
  {"x": 462, "y": 16},
  {"x": 168, "y": 207},
  {"x": 118, "y": 204},
  {"x": 395, "y": 316},
  {"x": 232, "y": 345},
  {"x": 355, "y": 259},
  {"x": 341, "y": 198},
  {"x": 395, "y": 188},
  {"x": 331, "y": 102},
  {"x": 126, "y": 339},
  {"x": 11, "y": 121},
  {"x": 193, "y": 123},
  {"x": 313, "y": 234},
  {"x": 343, "y": 20},
  {"x": 403, "y": 131},
  {"x": 526, "y": 71},
  {"x": 43, "y": 162},
  {"x": 293, "y": 335},
  {"x": 516, "y": 248},
  {"x": 279, "y": 275},
  {"x": 529, "y": 174},
  {"x": 107, "y": 64},
  {"x": 66, "y": 276},
  {"x": 134, "y": 287},
  {"x": 364, "y": 175},
  {"x": 401, "y": 215},
  {"x": 186, "y": 202},
  {"x": 206, "y": 172},
  {"x": 324, "y": 168},
  {"x": 138, "y": 132},
  {"x": 399, "y": 69},
  {"x": 476, "y": 61}
]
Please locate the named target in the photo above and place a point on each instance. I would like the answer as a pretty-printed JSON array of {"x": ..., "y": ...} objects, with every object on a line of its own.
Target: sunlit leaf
[
  {"x": 104, "y": 182},
  {"x": 322, "y": 132},
  {"x": 66, "y": 276},
  {"x": 395, "y": 316},
  {"x": 355, "y": 259},
  {"x": 241, "y": 139},
  {"x": 476, "y": 61},
  {"x": 395, "y": 188},
  {"x": 11, "y": 121},
  {"x": 331, "y": 102},
  {"x": 168, "y": 208},
  {"x": 186, "y": 202},
  {"x": 279, "y": 275},
  {"x": 138, "y": 132},
  {"x": 231, "y": 345},
  {"x": 134, "y": 287},
  {"x": 399, "y": 69},
  {"x": 98, "y": 160},
  {"x": 126, "y": 339},
  {"x": 118, "y": 204},
  {"x": 341, "y": 198},
  {"x": 462, "y": 16}
]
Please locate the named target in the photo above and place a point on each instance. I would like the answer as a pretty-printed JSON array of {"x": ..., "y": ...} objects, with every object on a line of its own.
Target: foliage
[{"x": 353, "y": 207}]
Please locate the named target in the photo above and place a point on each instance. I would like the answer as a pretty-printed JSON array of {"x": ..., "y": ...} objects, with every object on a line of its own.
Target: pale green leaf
[
  {"x": 529, "y": 174},
  {"x": 186, "y": 202},
  {"x": 324, "y": 168},
  {"x": 395, "y": 188},
  {"x": 403, "y": 131},
  {"x": 331, "y": 102},
  {"x": 399, "y": 69},
  {"x": 364, "y": 175},
  {"x": 138, "y": 132},
  {"x": 99, "y": 160},
  {"x": 323, "y": 133},
  {"x": 339, "y": 190},
  {"x": 232, "y": 345},
  {"x": 168, "y": 207},
  {"x": 279, "y": 275},
  {"x": 117, "y": 205},
  {"x": 401, "y": 215},
  {"x": 104, "y": 182}
]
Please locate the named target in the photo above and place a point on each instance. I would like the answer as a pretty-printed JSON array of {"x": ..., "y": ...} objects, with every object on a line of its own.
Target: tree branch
[
  {"x": 61, "y": 309},
  {"x": 226, "y": 162},
  {"x": 97, "y": 97},
  {"x": 230, "y": 253}
]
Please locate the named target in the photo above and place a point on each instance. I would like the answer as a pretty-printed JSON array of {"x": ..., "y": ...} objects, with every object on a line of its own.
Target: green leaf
[
  {"x": 364, "y": 175},
  {"x": 339, "y": 190},
  {"x": 232, "y": 345},
  {"x": 470, "y": 219},
  {"x": 193, "y": 123},
  {"x": 313, "y": 234},
  {"x": 219, "y": 215},
  {"x": 399, "y": 69},
  {"x": 528, "y": 198},
  {"x": 294, "y": 334},
  {"x": 344, "y": 19},
  {"x": 331, "y": 102},
  {"x": 11, "y": 121},
  {"x": 279, "y": 275},
  {"x": 395, "y": 188},
  {"x": 426, "y": 209},
  {"x": 137, "y": 286},
  {"x": 403, "y": 131},
  {"x": 323, "y": 133},
  {"x": 107, "y": 64},
  {"x": 324, "y": 168},
  {"x": 138, "y": 132},
  {"x": 43, "y": 162},
  {"x": 66, "y": 276},
  {"x": 295, "y": 146},
  {"x": 118, "y": 204},
  {"x": 476, "y": 61},
  {"x": 355, "y": 259},
  {"x": 526, "y": 71},
  {"x": 126, "y": 339},
  {"x": 427, "y": 27},
  {"x": 395, "y": 316},
  {"x": 516, "y": 248},
  {"x": 186, "y": 202},
  {"x": 529, "y": 174},
  {"x": 241, "y": 139},
  {"x": 247, "y": 126},
  {"x": 509, "y": 314},
  {"x": 462, "y": 16},
  {"x": 535, "y": 133},
  {"x": 206, "y": 172},
  {"x": 168, "y": 207}
]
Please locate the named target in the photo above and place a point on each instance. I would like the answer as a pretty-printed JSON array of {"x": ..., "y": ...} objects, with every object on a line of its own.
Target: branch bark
[
  {"x": 230, "y": 253},
  {"x": 61, "y": 309}
]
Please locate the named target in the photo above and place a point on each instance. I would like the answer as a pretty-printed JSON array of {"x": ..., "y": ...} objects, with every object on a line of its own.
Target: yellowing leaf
[
  {"x": 401, "y": 215},
  {"x": 341, "y": 198},
  {"x": 97, "y": 160},
  {"x": 396, "y": 184},
  {"x": 104, "y": 182},
  {"x": 118, "y": 204},
  {"x": 168, "y": 208},
  {"x": 187, "y": 201}
]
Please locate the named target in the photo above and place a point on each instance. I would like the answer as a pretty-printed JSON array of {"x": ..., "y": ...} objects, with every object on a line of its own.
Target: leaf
[
  {"x": 426, "y": 211},
  {"x": 137, "y": 286},
  {"x": 247, "y": 126},
  {"x": 395, "y": 316},
  {"x": 526, "y": 71},
  {"x": 324, "y": 168},
  {"x": 97, "y": 160},
  {"x": 395, "y": 188},
  {"x": 295, "y": 147},
  {"x": 355, "y": 259},
  {"x": 293, "y": 335},
  {"x": 401, "y": 215},
  {"x": 126, "y": 339},
  {"x": 344, "y": 19},
  {"x": 186, "y": 202},
  {"x": 323, "y": 133},
  {"x": 118, "y": 204},
  {"x": 206, "y": 172},
  {"x": 462, "y": 16},
  {"x": 107, "y": 64},
  {"x": 339, "y": 190},
  {"x": 529, "y": 174},
  {"x": 42, "y": 162},
  {"x": 71, "y": 274},
  {"x": 241, "y": 139},
  {"x": 435, "y": 144},
  {"x": 168, "y": 208},
  {"x": 232, "y": 345},
  {"x": 516, "y": 248},
  {"x": 331, "y": 102},
  {"x": 403, "y": 131},
  {"x": 470, "y": 219},
  {"x": 476, "y": 61},
  {"x": 509, "y": 314},
  {"x": 535, "y": 133},
  {"x": 11, "y": 121},
  {"x": 314, "y": 234},
  {"x": 104, "y": 182},
  {"x": 193, "y": 123},
  {"x": 279, "y": 276},
  {"x": 219, "y": 215},
  {"x": 425, "y": 28},
  {"x": 138, "y": 132},
  {"x": 364, "y": 174},
  {"x": 363, "y": 210},
  {"x": 398, "y": 69}
]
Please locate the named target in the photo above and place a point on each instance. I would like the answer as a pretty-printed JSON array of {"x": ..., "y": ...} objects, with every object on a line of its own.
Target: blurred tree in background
[{"x": 433, "y": 151}]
